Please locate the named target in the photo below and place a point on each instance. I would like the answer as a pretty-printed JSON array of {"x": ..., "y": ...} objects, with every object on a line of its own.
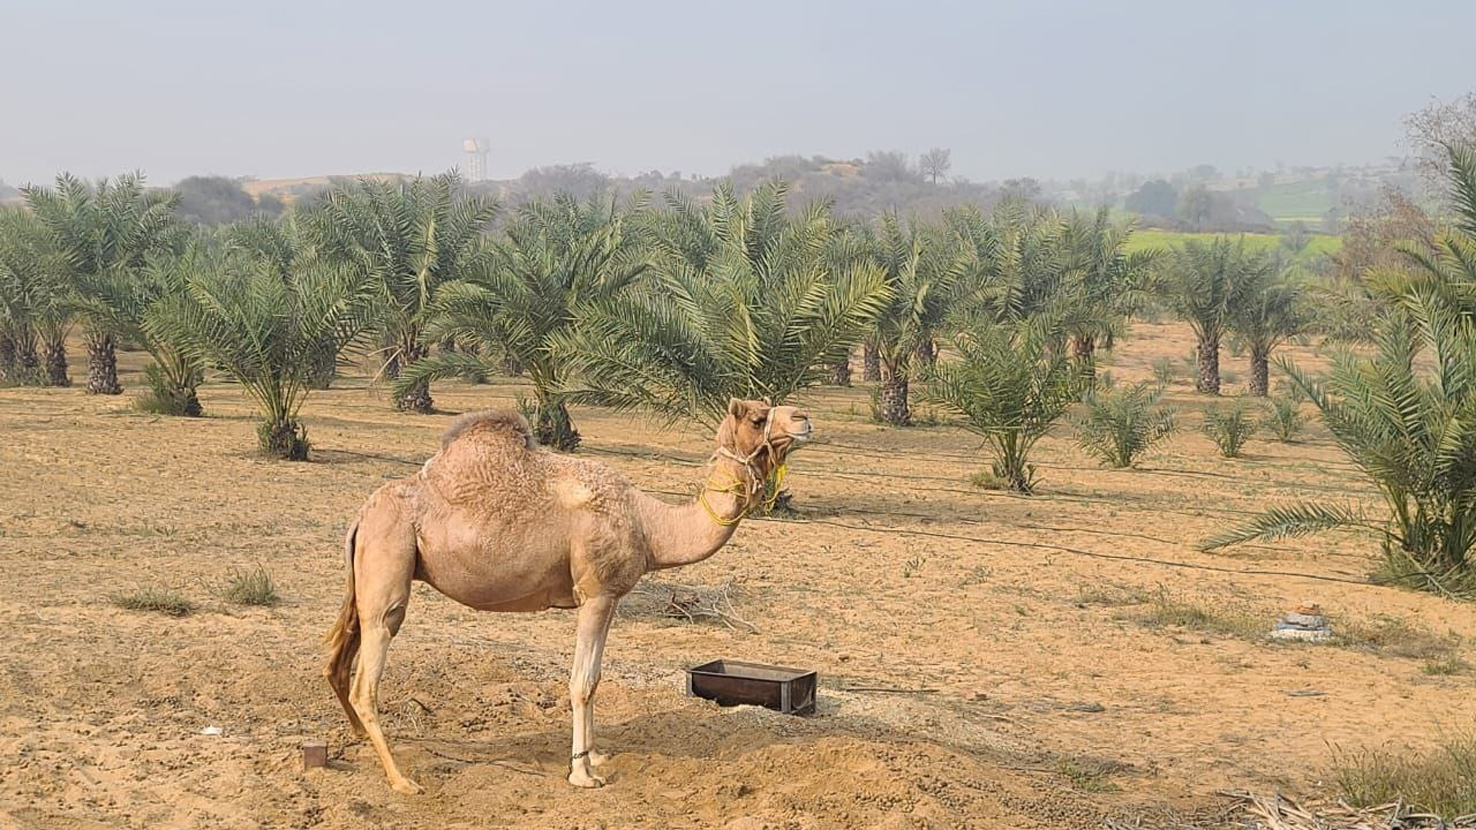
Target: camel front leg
[{"x": 589, "y": 649}]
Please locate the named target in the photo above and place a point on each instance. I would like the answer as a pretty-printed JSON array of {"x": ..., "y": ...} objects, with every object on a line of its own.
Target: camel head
[{"x": 764, "y": 434}]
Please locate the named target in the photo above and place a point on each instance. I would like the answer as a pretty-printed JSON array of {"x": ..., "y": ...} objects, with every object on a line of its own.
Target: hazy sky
[{"x": 1050, "y": 89}]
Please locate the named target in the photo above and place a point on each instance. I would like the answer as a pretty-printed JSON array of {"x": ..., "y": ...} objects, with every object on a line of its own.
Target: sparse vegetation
[{"x": 1167, "y": 610}]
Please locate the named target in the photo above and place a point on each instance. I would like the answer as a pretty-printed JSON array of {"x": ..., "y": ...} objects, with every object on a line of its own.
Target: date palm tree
[
  {"x": 1011, "y": 382},
  {"x": 1205, "y": 284},
  {"x": 240, "y": 316},
  {"x": 928, "y": 278},
  {"x": 1406, "y": 414},
  {"x": 411, "y": 237},
  {"x": 104, "y": 232},
  {"x": 1271, "y": 311},
  {"x": 555, "y": 259},
  {"x": 742, "y": 301},
  {"x": 1108, "y": 282},
  {"x": 33, "y": 302}
]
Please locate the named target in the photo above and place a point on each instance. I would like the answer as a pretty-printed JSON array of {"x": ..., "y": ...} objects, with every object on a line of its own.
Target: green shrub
[
  {"x": 1230, "y": 428},
  {"x": 1285, "y": 419},
  {"x": 1119, "y": 426}
]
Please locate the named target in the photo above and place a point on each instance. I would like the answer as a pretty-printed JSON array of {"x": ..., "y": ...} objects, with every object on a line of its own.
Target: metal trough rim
[{"x": 723, "y": 668}]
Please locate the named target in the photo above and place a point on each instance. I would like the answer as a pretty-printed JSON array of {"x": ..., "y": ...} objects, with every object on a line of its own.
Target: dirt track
[{"x": 1054, "y": 704}]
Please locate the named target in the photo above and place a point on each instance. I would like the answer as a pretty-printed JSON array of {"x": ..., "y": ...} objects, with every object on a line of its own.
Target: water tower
[{"x": 476, "y": 158}]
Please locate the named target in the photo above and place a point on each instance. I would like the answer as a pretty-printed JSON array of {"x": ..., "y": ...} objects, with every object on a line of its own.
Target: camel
[{"x": 497, "y": 523}]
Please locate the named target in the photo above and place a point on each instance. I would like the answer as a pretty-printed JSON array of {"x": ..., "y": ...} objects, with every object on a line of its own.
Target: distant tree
[
  {"x": 217, "y": 200},
  {"x": 34, "y": 302},
  {"x": 238, "y": 314},
  {"x": 741, "y": 302},
  {"x": 1196, "y": 206},
  {"x": 1434, "y": 128},
  {"x": 1204, "y": 172},
  {"x": 936, "y": 163},
  {"x": 927, "y": 279},
  {"x": 889, "y": 166},
  {"x": 1153, "y": 198},
  {"x": 1297, "y": 238},
  {"x": 581, "y": 181},
  {"x": 1023, "y": 189}
]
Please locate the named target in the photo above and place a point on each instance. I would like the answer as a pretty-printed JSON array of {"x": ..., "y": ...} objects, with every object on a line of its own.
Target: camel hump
[{"x": 497, "y": 424}]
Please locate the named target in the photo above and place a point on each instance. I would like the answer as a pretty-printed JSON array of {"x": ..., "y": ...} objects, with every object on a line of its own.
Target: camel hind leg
[
  {"x": 384, "y": 566},
  {"x": 343, "y": 641}
]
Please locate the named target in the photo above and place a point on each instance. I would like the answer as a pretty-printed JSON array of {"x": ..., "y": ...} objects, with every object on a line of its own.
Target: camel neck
[{"x": 688, "y": 533}]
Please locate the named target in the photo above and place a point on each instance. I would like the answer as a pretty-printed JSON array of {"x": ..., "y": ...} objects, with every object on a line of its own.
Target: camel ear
[
  {"x": 737, "y": 408},
  {"x": 767, "y": 402}
]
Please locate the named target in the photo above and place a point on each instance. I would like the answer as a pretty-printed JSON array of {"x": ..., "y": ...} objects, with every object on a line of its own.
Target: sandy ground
[{"x": 1041, "y": 697}]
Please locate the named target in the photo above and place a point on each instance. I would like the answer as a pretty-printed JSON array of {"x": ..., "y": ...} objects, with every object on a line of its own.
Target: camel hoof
[
  {"x": 580, "y": 778},
  {"x": 406, "y": 786}
]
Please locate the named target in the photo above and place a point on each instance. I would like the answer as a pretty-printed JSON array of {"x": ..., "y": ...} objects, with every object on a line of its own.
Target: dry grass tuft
[
  {"x": 1441, "y": 781},
  {"x": 1166, "y": 610},
  {"x": 254, "y": 587},
  {"x": 1397, "y": 637},
  {"x": 162, "y": 600},
  {"x": 1091, "y": 775}
]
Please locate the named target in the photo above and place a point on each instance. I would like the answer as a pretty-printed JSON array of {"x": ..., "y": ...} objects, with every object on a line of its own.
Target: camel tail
[{"x": 343, "y": 638}]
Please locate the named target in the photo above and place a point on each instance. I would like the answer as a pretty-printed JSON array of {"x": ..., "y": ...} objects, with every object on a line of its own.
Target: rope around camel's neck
[{"x": 747, "y": 485}]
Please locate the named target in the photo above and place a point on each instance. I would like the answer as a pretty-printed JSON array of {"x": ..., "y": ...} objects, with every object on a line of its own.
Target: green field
[{"x": 1321, "y": 244}]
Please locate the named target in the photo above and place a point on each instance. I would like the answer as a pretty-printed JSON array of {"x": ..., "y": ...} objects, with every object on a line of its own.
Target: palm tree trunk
[
  {"x": 1260, "y": 371},
  {"x": 1009, "y": 465},
  {"x": 102, "y": 364},
  {"x": 870, "y": 361},
  {"x": 27, "y": 362},
  {"x": 1083, "y": 347},
  {"x": 56, "y": 361},
  {"x": 892, "y": 407},
  {"x": 511, "y": 366},
  {"x": 1209, "y": 364},
  {"x": 417, "y": 398},
  {"x": 324, "y": 369},
  {"x": 1084, "y": 352},
  {"x": 555, "y": 428},
  {"x": 7, "y": 358},
  {"x": 283, "y": 438},
  {"x": 927, "y": 351},
  {"x": 840, "y": 372}
]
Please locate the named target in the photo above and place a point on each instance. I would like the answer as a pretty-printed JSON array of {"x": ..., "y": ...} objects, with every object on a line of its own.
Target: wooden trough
[{"x": 732, "y": 683}]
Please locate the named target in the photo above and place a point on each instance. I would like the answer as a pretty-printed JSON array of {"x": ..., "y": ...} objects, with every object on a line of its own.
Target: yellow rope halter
[{"x": 737, "y": 486}]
